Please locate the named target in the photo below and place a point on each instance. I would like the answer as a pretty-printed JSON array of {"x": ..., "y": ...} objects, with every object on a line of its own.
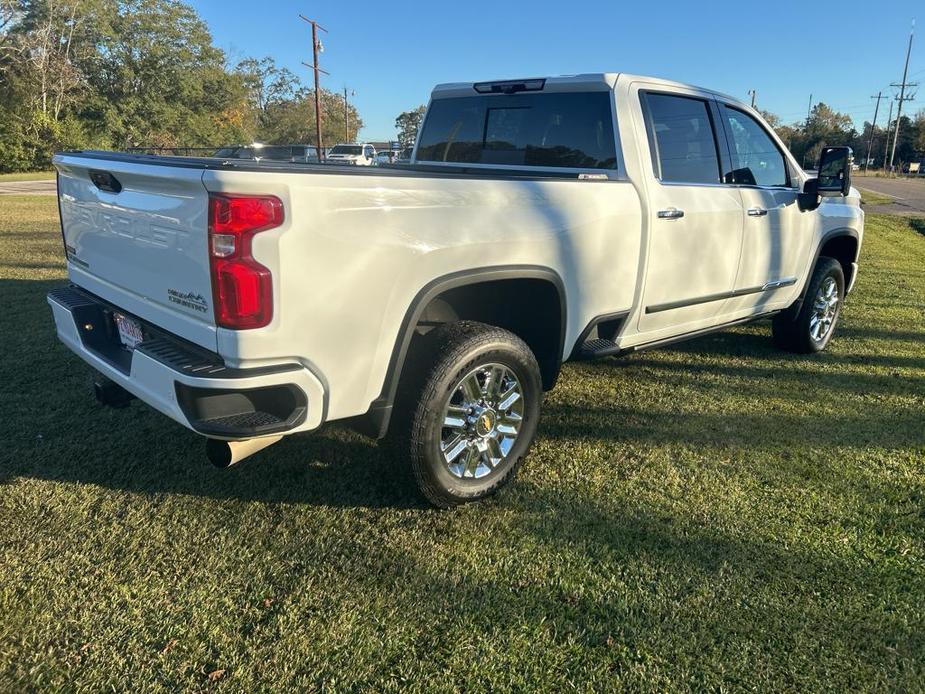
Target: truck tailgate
[{"x": 137, "y": 235}]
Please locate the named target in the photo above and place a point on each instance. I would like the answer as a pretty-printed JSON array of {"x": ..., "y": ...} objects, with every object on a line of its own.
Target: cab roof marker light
[{"x": 510, "y": 87}]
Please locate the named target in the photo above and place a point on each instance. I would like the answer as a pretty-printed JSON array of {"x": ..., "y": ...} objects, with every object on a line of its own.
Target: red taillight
[{"x": 242, "y": 288}]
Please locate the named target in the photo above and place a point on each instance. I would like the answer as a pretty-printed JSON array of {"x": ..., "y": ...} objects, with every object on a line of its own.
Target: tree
[
  {"x": 160, "y": 81},
  {"x": 268, "y": 87},
  {"x": 407, "y": 125},
  {"x": 138, "y": 73},
  {"x": 918, "y": 140},
  {"x": 825, "y": 126},
  {"x": 772, "y": 118},
  {"x": 293, "y": 120},
  {"x": 43, "y": 44}
]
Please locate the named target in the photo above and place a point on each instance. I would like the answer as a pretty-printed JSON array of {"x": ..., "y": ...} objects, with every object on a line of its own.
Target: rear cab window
[{"x": 549, "y": 130}]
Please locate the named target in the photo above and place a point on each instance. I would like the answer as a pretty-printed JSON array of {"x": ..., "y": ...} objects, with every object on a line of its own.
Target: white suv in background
[{"x": 357, "y": 155}]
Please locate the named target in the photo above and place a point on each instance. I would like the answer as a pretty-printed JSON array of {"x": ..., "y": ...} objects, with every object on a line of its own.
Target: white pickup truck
[{"x": 539, "y": 221}]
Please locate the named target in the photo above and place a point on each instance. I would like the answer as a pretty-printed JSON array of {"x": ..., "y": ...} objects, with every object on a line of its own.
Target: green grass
[
  {"x": 717, "y": 515},
  {"x": 869, "y": 197},
  {"x": 31, "y": 176}
]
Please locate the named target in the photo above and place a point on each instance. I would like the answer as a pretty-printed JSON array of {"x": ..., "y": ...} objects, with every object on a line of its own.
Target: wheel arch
[
  {"x": 845, "y": 242},
  {"x": 448, "y": 294},
  {"x": 842, "y": 245}
]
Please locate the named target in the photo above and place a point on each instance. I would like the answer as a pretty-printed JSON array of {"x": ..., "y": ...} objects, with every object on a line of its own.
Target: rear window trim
[
  {"x": 719, "y": 138},
  {"x": 615, "y": 173}
]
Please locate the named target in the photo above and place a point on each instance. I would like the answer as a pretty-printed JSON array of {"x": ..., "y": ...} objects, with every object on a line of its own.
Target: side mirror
[
  {"x": 808, "y": 200},
  {"x": 835, "y": 170}
]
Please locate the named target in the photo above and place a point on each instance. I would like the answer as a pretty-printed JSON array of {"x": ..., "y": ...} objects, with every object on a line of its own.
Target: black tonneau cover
[{"x": 386, "y": 170}]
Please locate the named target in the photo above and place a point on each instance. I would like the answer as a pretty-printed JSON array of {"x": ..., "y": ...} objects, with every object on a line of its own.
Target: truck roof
[{"x": 591, "y": 81}]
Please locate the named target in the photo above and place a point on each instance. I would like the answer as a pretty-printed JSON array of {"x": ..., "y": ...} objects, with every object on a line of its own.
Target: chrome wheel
[
  {"x": 825, "y": 310},
  {"x": 481, "y": 421}
]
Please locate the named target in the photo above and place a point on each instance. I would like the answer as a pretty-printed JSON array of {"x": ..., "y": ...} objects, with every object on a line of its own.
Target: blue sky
[{"x": 392, "y": 53}]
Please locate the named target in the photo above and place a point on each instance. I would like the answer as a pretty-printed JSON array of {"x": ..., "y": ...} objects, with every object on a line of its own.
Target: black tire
[
  {"x": 447, "y": 355},
  {"x": 796, "y": 334}
]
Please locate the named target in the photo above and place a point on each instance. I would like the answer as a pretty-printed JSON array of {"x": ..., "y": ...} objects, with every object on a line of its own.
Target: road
[
  {"x": 46, "y": 187},
  {"x": 909, "y": 194}
]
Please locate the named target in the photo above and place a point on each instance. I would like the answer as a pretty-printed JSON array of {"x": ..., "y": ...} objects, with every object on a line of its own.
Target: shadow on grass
[
  {"x": 866, "y": 333},
  {"x": 663, "y": 582},
  {"x": 56, "y": 430}
]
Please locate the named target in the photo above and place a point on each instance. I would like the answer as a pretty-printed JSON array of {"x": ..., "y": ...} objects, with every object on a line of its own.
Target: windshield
[{"x": 347, "y": 149}]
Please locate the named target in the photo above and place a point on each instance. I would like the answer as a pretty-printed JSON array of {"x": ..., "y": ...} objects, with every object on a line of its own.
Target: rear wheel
[
  {"x": 467, "y": 420},
  {"x": 815, "y": 323}
]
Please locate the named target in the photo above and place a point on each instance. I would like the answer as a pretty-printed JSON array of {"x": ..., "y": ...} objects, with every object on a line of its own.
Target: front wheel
[
  {"x": 814, "y": 325},
  {"x": 466, "y": 422}
]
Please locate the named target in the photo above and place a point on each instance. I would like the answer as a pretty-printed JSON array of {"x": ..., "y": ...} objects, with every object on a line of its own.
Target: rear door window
[
  {"x": 559, "y": 130},
  {"x": 681, "y": 131}
]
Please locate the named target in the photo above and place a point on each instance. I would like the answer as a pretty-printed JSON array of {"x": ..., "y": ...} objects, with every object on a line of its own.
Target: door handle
[
  {"x": 670, "y": 213},
  {"x": 757, "y": 212}
]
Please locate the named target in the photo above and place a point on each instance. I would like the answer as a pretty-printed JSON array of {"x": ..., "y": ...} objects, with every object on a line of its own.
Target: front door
[
  {"x": 696, "y": 220},
  {"x": 776, "y": 235}
]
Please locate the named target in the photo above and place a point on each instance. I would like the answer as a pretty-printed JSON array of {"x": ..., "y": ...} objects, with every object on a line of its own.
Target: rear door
[
  {"x": 695, "y": 219},
  {"x": 137, "y": 236}
]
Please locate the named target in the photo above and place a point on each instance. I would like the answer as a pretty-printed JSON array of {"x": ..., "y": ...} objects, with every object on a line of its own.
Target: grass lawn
[
  {"x": 717, "y": 515},
  {"x": 32, "y": 176},
  {"x": 869, "y": 197}
]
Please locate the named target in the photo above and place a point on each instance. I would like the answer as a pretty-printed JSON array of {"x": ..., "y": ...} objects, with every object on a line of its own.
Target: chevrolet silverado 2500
[{"x": 433, "y": 303}]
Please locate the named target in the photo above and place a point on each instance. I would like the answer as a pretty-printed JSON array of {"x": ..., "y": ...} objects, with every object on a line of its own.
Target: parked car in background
[
  {"x": 404, "y": 156},
  {"x": 353, "y": 155},
  {"x": 386, "y": 157},
  {"x": 539, "y": 221}
]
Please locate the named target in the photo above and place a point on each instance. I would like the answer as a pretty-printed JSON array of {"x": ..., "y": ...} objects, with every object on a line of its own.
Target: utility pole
[
  {"x": 753, "y": 93},
  {"x": 870, "y": 141},
  {"x": 902, "y": 95},
  {"x": 809, "y": 110},
  {"x": 886, "y": 149},
  {"x": 316, "y": 48},
  {"x": 347, "y": 116}
]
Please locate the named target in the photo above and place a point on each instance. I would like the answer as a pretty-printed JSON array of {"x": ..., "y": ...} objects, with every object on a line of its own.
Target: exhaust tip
[
  {"x": 224, "y": 454},
  {"x": 218, "y": 452},
  {"x": 111, "y": 394}
]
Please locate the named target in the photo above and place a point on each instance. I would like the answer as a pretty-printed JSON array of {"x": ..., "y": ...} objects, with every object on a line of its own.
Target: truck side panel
[{"x": 359, "y": 250}]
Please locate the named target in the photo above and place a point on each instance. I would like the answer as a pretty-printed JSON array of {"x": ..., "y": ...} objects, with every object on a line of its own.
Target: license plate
[{"x": 130, "y": 333}]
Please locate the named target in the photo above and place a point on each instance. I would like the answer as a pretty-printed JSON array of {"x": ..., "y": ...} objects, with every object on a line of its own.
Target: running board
[{"x": 599, "y": 348}]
